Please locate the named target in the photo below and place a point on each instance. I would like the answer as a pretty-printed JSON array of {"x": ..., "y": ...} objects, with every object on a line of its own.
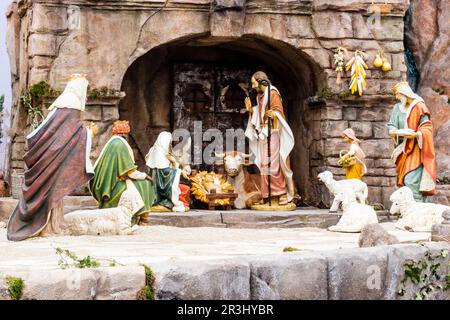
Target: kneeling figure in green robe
[{"x": 114, "y": 167}]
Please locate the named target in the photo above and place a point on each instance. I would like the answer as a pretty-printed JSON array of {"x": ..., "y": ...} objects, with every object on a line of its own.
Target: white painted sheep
[
  {"x": 359, "y": 187},
  {"x": 355, "y": 215},
  {"x": 109, "y": 221},
  {"x": 415, "y": 216}
]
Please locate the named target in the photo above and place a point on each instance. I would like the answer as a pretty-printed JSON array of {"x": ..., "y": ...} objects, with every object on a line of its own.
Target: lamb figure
[
  {"x": 415, "y": 216},
  {"x": 108, "y": 221},
  {"x": 355, "y": 215},
  {"x": 359, "y": 187}
]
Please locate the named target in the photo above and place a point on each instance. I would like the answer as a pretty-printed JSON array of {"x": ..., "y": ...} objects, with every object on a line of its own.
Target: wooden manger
[{"x": 213, "y": 197}]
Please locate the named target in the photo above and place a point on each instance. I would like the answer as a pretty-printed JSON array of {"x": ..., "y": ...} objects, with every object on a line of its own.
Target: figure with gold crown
[
  {"x": 116, "y": 171},
  {"x": 411, "y": 129},
  {"x": 57, "y": 163}
]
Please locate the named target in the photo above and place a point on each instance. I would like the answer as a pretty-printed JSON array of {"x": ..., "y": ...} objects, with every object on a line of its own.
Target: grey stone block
[
  {"x": 207, "y": 279},
  {"x": 356, "y": 273},
  {"x": 290, "y": 276}
]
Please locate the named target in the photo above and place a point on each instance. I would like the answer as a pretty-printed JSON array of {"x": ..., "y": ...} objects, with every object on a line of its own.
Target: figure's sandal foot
[{"x": 283, "y": 200}]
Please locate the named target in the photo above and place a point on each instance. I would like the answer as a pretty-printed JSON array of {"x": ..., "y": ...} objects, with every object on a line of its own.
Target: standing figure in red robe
[{"x": 58, "y": 163}]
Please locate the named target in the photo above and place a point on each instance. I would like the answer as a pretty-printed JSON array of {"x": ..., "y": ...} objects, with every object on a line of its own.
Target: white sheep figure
[
  {"x": 415, "y": 216},
  {"x": 108, "y": 221},
  {"x": 355, "y": 215},
  {"x": 359, "y": 187}
]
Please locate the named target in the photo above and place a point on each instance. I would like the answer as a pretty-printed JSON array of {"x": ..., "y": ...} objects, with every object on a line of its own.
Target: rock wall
[
  {"x": 51, "y": 39},
  {"x": 427, "y": 34}
]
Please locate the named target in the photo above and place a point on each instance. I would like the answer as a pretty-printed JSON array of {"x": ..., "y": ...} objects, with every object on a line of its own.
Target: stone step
[
  {"x": 444, "y": 189},
  {"x": 299, "y": 218},
  {"x": 71, "y": 203}
]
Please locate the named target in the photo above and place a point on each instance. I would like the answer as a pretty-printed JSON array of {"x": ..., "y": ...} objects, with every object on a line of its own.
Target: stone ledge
[
  {"x": 186, "y": 220},
  {"x": 334, "y": 275},
  {"x": 249, "y": 219},
  {"x": 398, "y": 7},
  {"x": 113, "y": 283},
  {"x": 359, "y": 273}
]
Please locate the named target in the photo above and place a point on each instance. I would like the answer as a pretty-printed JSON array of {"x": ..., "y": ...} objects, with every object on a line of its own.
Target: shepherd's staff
[{"x": 269, "y": 134}]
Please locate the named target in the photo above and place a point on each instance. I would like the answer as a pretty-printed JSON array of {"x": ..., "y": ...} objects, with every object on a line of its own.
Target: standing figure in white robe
[{"x": 281, "y": 142}]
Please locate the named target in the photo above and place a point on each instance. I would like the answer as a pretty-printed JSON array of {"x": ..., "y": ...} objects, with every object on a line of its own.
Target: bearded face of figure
[
  {"x": 402, "y": 99},
  {"x": 257, "y": 86}
]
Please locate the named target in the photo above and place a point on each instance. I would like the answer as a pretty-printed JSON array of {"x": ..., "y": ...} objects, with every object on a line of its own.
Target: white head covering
[
  {"x": 74, "y": 95},
  {"x": 157, "y": 155},
  {"x": 404, "y": 89}
]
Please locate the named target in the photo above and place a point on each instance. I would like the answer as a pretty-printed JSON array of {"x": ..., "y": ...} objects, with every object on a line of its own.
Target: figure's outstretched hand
[
  {"x": 248, "y": 104},
  {"x": 172, "y": 160},
  {"x": 185, "y": 175},
  {"x": 147, "y": 177},
  {"x": 93, "y": 128},
  {"x": 392, "y": 133}
]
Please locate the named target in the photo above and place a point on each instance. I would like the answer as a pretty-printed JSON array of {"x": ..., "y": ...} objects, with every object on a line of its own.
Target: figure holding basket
[{"x": 353, "y": 160}]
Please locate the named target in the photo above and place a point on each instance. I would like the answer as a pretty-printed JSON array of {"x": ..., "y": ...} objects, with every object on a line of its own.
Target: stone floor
[{"x": 153, "y": 244}]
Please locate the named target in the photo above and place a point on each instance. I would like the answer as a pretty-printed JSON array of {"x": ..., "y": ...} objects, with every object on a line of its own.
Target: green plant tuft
[
  {"x": 147, "y": 292},
  {"x": 2, "y": 100},
  {"x": 94, "y": 94},
  {"x": 40, "y": 90},
  {"x": 64, "y": 263},
  {"x": 290, "y": 249},
  {"x": 425, "y": 275},
  {"x": 344, "y": 94},
  {"x": 326, "y": 93},
  {"x": 15, "y": 287},
  {"x": 304, "y": 219}
]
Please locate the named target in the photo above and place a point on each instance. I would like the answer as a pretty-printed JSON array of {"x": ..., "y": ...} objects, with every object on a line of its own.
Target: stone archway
[{"x": 150, "y": 80}]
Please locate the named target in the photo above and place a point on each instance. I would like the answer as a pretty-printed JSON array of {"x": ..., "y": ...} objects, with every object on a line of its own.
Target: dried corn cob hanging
[{"x": 358, "y": 74}]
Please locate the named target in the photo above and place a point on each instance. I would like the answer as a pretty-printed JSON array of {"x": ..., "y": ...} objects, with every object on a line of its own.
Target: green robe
[
  {"x": 164, "y": 180},
  {"x": 111, "y": 171}
]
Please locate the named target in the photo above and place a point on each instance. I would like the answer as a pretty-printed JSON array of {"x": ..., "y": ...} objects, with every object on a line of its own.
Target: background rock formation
[{"x": 427, "y": 35}]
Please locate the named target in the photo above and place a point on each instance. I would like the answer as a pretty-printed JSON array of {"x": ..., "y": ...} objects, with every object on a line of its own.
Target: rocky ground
[{"x": 216, "y": 263}]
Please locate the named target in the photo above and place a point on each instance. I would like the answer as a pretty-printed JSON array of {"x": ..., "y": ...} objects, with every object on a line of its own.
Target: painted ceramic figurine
[
  {"x": 114, "y": 167},
  {"x": 281, "y": 141},
  {"x": 411, "y": 128},
  {"x": 353, "y": 160},
  {"x": 166, "y": 174},
  {"x": 58, "y": 163}
]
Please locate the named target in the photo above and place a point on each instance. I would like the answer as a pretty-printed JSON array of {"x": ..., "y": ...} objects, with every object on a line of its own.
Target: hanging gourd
[
  {"x": 358, "y": 74},
  {"x": 382, "y": 62},
  {"x": 386, "y": 65},
  {"x": 378, "y": 62}
]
